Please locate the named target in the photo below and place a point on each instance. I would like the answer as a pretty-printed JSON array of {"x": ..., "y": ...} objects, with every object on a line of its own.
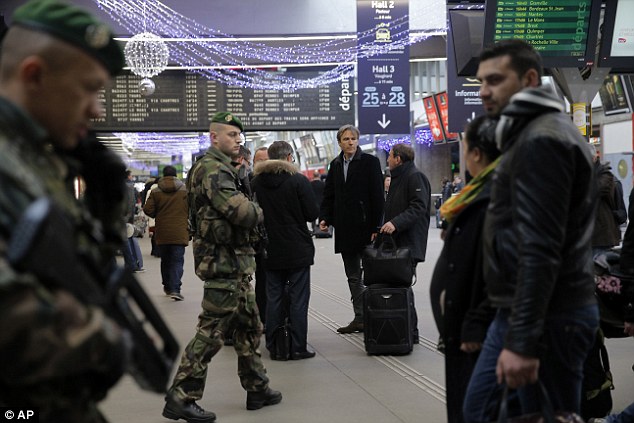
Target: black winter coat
[
  {"x": 354, "y": 206},
  {"x": 288, "y": 203},
  {"x": 539, "y": 223},
  {"x": 407, "y": 206},
  {"x": 458, "y": 272},
  {"x": 607, "y": 232}
]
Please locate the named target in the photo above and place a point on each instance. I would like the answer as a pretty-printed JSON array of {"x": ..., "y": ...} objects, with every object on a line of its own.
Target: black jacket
[
  {"x": 458, "y": 272},
  {"x": 539, "y": 223},
  {"x": 288, "y": 202},
  {"x": 607, "y": 232},
  {"x": 318, "y": 189},
  {"x": 407, "y": 206},
  {"x": 354, "y": 206}
]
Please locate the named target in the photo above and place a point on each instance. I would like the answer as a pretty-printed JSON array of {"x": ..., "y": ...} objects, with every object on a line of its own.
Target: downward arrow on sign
[{"x": 383, "y": 123}]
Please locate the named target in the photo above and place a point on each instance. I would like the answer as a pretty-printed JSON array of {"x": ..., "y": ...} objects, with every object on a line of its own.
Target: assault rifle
[{"x": 43, "y": 243}]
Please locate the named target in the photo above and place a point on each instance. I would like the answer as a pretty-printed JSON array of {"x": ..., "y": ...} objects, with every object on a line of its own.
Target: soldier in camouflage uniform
[
  {"x": 223, "y": 220},
  {"x": 60, "y": 354}
]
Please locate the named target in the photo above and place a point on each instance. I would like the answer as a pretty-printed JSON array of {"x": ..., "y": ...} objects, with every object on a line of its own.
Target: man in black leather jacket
[{"x": 537, "y": 254}]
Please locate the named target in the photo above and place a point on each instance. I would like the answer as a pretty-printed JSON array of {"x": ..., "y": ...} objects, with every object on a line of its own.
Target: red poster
[
  {"x": 434, "y": 119},
  {"x": 443, "y": 108}
]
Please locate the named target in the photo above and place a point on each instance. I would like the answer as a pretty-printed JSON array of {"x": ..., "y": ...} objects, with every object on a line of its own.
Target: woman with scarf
[{"x": 457, "y": 289}]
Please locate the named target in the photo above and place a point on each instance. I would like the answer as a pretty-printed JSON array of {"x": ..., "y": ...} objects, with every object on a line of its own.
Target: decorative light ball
[
  {"x": 147, "y": 87},
  {"x": 146, "y": 54}
]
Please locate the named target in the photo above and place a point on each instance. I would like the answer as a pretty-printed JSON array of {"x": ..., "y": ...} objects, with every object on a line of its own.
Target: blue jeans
[
  {"x": 567, "y": 338},
  {"x": 352, "y": 267},
  {"x": 131, "y": 254},
  {"x": 297, "y": 281},
  {"x": 625, "y": 416},
  {"x": 172, "y": 261}
]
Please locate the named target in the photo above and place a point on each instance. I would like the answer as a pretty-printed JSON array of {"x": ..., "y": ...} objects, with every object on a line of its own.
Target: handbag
[
  {"x": 546, "y": 414},
  {"x": 385, "y": 263},
  {"x": 282, "y": 342}
]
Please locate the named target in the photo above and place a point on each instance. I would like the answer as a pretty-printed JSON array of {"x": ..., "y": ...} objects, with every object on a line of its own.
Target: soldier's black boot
[
  {"x": 189, "y": 411},
  {"x": 257, "y": 400}
]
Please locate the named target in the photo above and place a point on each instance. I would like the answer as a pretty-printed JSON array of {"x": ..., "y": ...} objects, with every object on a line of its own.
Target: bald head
[
  {"x": 54, "y": 82},
  {"x": 21, "y": 44}
]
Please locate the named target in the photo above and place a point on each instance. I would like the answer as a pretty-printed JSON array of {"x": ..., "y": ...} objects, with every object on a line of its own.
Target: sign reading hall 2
[{"x": 383, "y": 74}]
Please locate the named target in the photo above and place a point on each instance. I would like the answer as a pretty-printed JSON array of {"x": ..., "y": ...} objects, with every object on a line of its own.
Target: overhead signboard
[
  {"x": 564, "y": 32},
  {"x": 617, "y": 40},
  {"x": 383, "y": 79},
  {"x": 185, "y": 101}
]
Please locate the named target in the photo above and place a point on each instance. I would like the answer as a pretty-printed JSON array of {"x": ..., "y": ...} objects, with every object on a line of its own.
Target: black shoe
[
  {"x": 188, "y": 411},
  {"x": 229, "y": 342},
  {"x": 176, "y": 296},
  {"x": 257, "y": 400},
  {"x": 300, "y": 355},
  {"x": 352, "y": 327},
  {"x": 276, "y": 357}
]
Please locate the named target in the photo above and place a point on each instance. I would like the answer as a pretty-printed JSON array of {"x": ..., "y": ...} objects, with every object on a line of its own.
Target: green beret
[
  {"x": 74, "y": 26},
  {"x": 228, "y": 119}
]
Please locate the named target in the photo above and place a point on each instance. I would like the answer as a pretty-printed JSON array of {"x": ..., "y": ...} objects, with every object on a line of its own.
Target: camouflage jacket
[
  {"x": 51, "y": 343},
  {"x": 223, "y": 219}
]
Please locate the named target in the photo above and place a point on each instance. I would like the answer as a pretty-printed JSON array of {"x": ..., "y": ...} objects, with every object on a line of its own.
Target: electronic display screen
[
  {"x": 617, "y": 42},
  {"x": 564, "y": 32},
  {"x": 467, "y": 29},
  {"x": 185, "y": 101}
]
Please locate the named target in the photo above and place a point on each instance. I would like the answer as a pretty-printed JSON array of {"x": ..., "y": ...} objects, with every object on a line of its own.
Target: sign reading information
[
  {"x": 185, "y": 101},
  {"x": 383, "y": 79}
]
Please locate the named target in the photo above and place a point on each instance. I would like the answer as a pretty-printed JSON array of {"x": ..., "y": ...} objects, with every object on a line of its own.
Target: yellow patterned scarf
[{"x": 457, "y": 203}]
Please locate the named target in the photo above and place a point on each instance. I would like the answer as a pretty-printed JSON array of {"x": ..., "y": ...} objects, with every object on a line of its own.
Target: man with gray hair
[
  {"x": 353, "y": 204},
  {"x": 288, "y": 203}
]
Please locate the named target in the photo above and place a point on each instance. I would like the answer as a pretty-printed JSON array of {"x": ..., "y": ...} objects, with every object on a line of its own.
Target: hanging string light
[
  {"x": 163, "y": 143},
  {"x": 421, "y": 136},
  {"x": 196, "y": 47}
]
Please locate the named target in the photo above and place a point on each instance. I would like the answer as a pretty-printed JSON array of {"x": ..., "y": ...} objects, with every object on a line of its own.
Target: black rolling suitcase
[{"x": 388, "y": 321}]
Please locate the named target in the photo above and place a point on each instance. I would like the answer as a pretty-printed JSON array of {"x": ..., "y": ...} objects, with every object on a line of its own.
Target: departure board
[
  {"x": 564, "y": 32},
  {"x": 185, "y": 101}
]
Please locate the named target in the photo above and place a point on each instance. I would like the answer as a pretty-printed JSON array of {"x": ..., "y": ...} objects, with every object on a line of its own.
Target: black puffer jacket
[
  {"x": 539, "y": 223},
  {"x": 288, "y": 203}
]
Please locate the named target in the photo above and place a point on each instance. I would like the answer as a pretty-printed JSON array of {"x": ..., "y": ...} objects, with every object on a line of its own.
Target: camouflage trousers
[{"x": 228, "y": 308}]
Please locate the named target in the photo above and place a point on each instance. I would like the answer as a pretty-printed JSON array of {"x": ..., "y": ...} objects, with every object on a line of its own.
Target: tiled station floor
[{"x": 342, "y": 383}]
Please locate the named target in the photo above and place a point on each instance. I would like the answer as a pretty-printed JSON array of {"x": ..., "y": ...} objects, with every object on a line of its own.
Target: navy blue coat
[{"x": 407, "y": 206}]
